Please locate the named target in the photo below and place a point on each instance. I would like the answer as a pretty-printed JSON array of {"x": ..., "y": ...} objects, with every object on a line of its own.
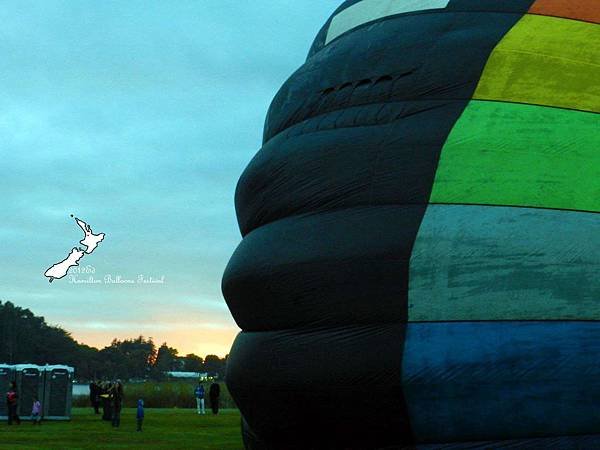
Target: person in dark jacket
[
  {"x": 95, "y": 396},
  {"x": 117, "y": 400},
  {"x": 214, "y": 393},
  {"x": 12, "y": 402}
]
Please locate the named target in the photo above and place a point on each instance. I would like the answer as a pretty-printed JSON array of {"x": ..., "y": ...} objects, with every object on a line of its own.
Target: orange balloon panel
[{"x": 588, "y": 10}]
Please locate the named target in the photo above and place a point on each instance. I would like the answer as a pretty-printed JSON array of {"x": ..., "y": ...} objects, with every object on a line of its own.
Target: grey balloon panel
[{"x": 501, "y": 263}]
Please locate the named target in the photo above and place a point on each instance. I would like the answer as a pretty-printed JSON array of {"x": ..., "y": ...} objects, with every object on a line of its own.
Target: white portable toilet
[
  {"x": 58, "y": 393},
  {"x": 7, "y": 375},
  {"x": 30, "y": 385}
]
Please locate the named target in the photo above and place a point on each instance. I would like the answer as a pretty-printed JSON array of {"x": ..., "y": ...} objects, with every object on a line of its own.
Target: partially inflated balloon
[{"x": 421, "y": 252}]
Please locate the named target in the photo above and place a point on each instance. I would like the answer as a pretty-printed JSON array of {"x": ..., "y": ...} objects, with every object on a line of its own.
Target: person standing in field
[
  {"x": 12, "y": 402},
  {"x": 140, "y": 414},
  {"x": 117, "y": 397},
  {"x": 36, "y": 412},
  {"x": 199, "y": 394},
  {"x": 95, "y": 396},
  {"x": 214, "y": 393}
]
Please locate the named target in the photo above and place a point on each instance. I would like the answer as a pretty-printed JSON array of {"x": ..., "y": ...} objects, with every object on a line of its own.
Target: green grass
[{"x": 163, "y": 429}]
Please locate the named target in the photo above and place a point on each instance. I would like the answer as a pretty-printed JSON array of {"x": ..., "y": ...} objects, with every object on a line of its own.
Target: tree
[
  {"x": 214, "y": 366},
  {"x": 192, "y": 363},
  {"x": 130, "y": 358},
  {"x": 166, "y": 361},
  {"x": 26, "y": 338}
]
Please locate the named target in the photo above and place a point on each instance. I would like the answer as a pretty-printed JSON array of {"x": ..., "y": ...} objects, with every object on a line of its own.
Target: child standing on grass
[
  {"x": 36, "y": 412},
  {"x": 140, "y": 414}
]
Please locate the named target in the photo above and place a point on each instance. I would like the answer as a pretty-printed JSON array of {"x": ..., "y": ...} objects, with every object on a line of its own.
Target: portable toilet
[
  {"x": 58, "y": 393},
  {"x": 30, "y": 384},
  {"x": 7, "y": 375}
]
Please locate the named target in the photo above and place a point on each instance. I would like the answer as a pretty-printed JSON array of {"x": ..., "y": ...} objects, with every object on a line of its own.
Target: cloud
[{"x": 139, "y": 118}]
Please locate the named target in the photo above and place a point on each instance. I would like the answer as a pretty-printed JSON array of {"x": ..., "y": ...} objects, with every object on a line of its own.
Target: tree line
[{"x": 27, "y": 338}]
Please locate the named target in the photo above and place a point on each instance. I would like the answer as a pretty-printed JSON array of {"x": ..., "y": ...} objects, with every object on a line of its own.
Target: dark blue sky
[{"x": 137, "y": 117}]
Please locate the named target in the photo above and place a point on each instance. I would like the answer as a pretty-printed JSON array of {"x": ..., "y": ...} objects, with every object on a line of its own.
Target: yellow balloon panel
[{"x": 545, "y": 61}]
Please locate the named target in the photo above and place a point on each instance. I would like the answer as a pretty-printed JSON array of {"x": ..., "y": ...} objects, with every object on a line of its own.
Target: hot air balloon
[{"x": 420, "y": 262}]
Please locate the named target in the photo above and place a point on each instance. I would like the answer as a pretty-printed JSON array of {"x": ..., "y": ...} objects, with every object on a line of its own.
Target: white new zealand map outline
[{"x": 90, "y": 241}]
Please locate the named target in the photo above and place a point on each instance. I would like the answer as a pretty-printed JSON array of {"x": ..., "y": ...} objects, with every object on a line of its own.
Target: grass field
[{"x": 163, "y": 429}]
